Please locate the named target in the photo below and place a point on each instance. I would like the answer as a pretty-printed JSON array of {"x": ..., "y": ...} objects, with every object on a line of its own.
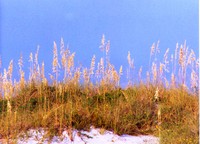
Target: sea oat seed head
[
  {"x": 92, "y": 65},
  {"x": 120, "y": 70},
  {"x": 181, "y": 55},
  {"x": 152, "y": 49},
  {"x": 156, "y": 96}
]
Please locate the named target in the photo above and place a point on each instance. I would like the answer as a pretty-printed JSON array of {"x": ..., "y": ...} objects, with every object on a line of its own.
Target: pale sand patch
[{"x": 94, "y": 136}]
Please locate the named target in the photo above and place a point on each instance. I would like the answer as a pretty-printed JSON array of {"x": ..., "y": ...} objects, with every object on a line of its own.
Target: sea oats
[
  {"x": 64, "y": 53},
  {"x": 63, "y": 60},
  {"x": 77, "y": 75},
  {"x": 115, "y": 77},
  {"x": 156, "y": 96},
  {"x": 140, "y": 74},
  {"x": 31, "y": 67},
  {"x": 31, "y": 57},
  {"x": 102, "y": 47},
  {"x": 6, "y": 84},
  {"x": 176, "y": 51},
  {"x": 36, "y": 56},
  {"x": 172, "y": 60},
  {"x": 166, "y": 57},
  {"x": 157, "y": 47},
  {"x": 191, "y": 58},
  {"x": 22, "y": 79},
  {"x": 44, "y": 80},
  {"x": 8, "y": 106},
  {"x": 62, "y": 46},
  {"x": 10, "y": 69},
  {"x": 154, "y": 72},
  {"x": 42, "y": 71},
  {"x": 85, "y": 76},
  {"x": 130, "y": 68},
  {"x": 55, "y": 58},
  {"x": 173, "y": 82},
  {"x": 70, "y": 63},
  {"x": 101, "y": 66},
  {"x": 5, "y": 78},
  {"x": 107, "y": 47},
  {"x": 36, "y": 71},
  {"x": 98, "y": 72},
  {"x": 148, "y": 77},
  {"x": 129, "y": 59},
  {"x": 194, "y": 80},
  {"x": 20, "y": 62},
  {"x": 120, "y": 70},
  {"x": 152, "y": 49},
  {"x": 161, "y": 68},
  {"x": 181, "y": 55},
  {"x": 92, "y": 65},
  {"x": 175, "y": 57},
  {"x": 51, "y": 77},
  {"x": 197, "y": 64}
]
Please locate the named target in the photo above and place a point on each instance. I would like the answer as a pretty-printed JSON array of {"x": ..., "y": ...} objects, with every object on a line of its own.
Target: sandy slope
[{"x": 94, "y": 136}]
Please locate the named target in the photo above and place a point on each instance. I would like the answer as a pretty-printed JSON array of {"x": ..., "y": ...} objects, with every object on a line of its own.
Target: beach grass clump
[{"x": 165, "y": 104}]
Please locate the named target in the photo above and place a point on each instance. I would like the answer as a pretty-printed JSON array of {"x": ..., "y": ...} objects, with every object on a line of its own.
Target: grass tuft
[{"x": 92, "y": 97}]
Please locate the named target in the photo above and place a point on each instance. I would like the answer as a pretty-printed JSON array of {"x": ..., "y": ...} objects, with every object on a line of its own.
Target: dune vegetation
[{"x": 77, "y": 97}]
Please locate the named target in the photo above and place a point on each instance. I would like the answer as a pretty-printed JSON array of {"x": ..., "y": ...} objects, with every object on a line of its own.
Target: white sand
[{"x": 94, "y": 136}]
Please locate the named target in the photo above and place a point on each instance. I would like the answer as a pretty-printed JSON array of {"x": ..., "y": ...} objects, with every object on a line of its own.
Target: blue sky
[{"x": 130, "y": 25}]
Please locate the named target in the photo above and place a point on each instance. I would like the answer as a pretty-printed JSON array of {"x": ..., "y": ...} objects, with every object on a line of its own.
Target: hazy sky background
[{"x": 130, "y": 25}]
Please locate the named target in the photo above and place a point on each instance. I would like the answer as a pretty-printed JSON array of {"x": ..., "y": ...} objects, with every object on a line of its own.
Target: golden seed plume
[
  {"x": 10, "y": 69},
  {"x": 55, "y": 58},
  {"x": 152, "y": 49},
  {"x": 181, "y": 55},
  {"x": 102, "y": 43},
  {"x": 120, "y": 70},
  {"x": 92, "y": 65}
]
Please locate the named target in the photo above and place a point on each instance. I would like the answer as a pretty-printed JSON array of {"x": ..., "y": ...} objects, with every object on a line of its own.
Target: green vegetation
[{"x": 92, "y": 96}]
